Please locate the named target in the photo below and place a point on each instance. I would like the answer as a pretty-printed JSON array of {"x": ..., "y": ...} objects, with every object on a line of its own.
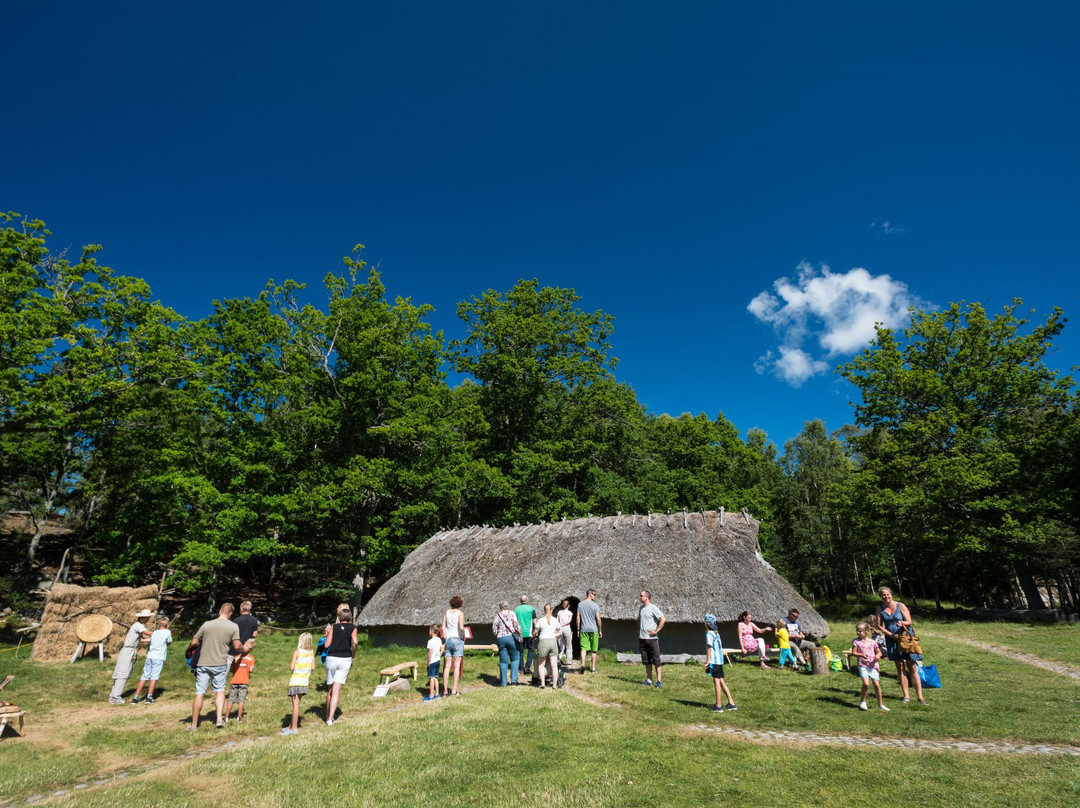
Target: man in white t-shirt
[{"x": 650, "y": 621}]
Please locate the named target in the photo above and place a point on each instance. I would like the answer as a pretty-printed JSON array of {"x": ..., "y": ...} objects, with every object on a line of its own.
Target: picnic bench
[
  {"x": 395, "y": 671},
  {"x": 739, "y": 653},
  {"x": 9, "y": 712},
  {"x": 493, "y": 648}
]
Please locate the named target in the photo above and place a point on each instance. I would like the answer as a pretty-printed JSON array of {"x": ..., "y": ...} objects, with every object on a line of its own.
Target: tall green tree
[{"x": 955, "y": 413}]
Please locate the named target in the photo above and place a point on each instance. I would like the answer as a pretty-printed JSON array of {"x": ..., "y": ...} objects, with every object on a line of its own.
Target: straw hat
[{"x": 144, "y": 613}]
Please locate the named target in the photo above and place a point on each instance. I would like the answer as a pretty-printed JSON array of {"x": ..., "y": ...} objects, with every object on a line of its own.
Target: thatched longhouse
[{"x": 691, "y": 562}]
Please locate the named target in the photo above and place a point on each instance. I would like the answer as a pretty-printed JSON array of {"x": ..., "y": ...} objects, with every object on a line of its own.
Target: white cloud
[
  {"x": 887, "y": 227},
  {"x": 836, "y": 311}
]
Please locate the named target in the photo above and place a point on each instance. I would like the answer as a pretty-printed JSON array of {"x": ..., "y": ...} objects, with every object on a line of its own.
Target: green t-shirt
[
  {"x": 215, "y": 642},
  {"x": 525, "y": 614}
]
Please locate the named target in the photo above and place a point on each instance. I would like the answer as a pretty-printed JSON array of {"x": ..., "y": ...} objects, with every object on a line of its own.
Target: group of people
[
  {"x": 520, "y": 633},
  {"x": 224, "y": 645}
]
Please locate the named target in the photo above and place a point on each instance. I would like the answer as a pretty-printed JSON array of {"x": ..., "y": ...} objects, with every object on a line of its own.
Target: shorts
[
  {"x": 337, "y": 669},
  {"x": 297, "y": 690},
  {"x": 152, "y": 669},
  {"x": 546, "y": 648},
  {"x": 237, "y": 694},
  {"x": 650, "y": 651},
  {"x": 590, "y": 641},
  {"x": 213, "y": 676},
  {"x": 433, "y": 670},
  {"x": 870, "y": 673},
  {"x": 455, "y": 647},
  {"x": 716, "y": 670}
]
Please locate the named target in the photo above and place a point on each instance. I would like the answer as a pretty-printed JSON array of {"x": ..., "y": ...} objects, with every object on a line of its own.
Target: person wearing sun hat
[{"x": 125, "y": 660}]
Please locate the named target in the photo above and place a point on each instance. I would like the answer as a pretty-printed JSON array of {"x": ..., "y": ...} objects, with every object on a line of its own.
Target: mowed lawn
[{"x": 604, "y": 741}]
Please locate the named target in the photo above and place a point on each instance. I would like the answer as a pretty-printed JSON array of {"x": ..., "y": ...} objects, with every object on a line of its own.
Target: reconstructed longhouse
[{"x": 691, "y": 562}]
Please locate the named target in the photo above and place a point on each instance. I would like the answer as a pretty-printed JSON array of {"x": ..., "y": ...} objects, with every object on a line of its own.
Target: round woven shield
[{"x": 93, "y": 628}]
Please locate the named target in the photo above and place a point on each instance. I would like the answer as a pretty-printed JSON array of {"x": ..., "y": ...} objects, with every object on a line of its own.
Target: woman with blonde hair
[
  {"x": 892, "y": 620},
  {"x": 547, "y": 629}
]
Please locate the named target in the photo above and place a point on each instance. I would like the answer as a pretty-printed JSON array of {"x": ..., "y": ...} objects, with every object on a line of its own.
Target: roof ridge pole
[
  {"x": 704, "y": 519},
  {"x": 599, "y": 522},
  {"x": 650, "y": 518},
  {"x": 685, "y": 519},
  {"x": 618, "y": 516},
  {"x": 546, "y": 526},
  {"x": 562, "y": 526},
  {"x": 668, "y": 522},
  {"x": 633, "y": 522},
  {"x": 721, "y": 516},
  {"x": 746, "y": 516}
]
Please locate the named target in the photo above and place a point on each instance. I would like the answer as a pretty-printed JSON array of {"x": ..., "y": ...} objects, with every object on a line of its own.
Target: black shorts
[
  {"x": 650, "y": 651},
  {"x": 716, "y": 670}
]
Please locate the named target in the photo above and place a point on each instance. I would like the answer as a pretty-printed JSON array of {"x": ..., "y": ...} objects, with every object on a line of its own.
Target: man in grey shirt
[
  {"x": 589, "y": 627},
  {"x": 216, "y": 640},
  {"x": 650, "y": 621}
]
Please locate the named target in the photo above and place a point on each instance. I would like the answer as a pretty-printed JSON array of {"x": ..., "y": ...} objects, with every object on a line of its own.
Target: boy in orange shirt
[{"x": 242, "y": 667}]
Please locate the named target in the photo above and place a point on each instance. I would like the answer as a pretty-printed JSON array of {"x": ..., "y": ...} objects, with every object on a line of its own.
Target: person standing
[
  {"x": 453, "y": 631},
  {"x": 547, "y": 645},
  {"x": 215, "y": 640},
  {"x": 894, "y": 619},
  {"x": 303, "y": 660},
  {"x": 650, "y": 621},
  {"x": 125, "y": 660},
  {"x": 566, "y": 633},
  {"x": 525, "y": 614},
  {"x": 155, "y": 660},
  {"x": 246, "y": 622},
  {"x": 341, "y": 645},
  {"x": 507, "y": 636},
  {"x": 714, "y": 664},
  {"x": 590, "y": 629}
]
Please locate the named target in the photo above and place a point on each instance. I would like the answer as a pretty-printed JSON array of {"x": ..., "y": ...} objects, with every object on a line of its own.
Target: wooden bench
[
  {"x": 395, "y": 671},
  {"x": 739, "y": 653},
  {"x": 9, "y": 712},
  {"x": 493, "y": 648}
]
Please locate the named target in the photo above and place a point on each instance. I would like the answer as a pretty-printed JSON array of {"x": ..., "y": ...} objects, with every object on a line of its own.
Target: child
[
  {"x": 868, "y": 653},
  {"x": 303, "y": 660},
  {"x": 155, "y": 660},
  {"x": 714, "y": 664},
  {"x": 242, "y": 667},
  {"x": 784, "y": 641},
  {"x": 434, "y": 654}
]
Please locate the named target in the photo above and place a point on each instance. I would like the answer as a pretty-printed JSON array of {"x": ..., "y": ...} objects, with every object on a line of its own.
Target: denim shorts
[
  {"x": 433, "y": 670},
  {"x": 214, "y": 677},
  {"x": 152, "y": 669},
  {"x": 869, "y": 673},
  {"x": 455, "y": 647}
]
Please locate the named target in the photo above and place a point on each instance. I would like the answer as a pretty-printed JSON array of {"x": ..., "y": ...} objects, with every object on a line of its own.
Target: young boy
[
  {"x": 714, "y": 664},
  {"x": 434, "y": 654},
  {"x": 868, "y": 653},
  {"x": 242, "y": 667},
  {"x": 155, "y": 660}
]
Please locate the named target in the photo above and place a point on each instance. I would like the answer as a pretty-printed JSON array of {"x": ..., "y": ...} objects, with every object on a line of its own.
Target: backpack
[{"x": 192, "y": 655}]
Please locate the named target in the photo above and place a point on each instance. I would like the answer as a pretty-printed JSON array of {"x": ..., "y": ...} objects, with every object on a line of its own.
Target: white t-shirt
[
  {"x": 549, "y": 629},
  {"x": 159, "y": 642},
  {"x": 434, "y": 650},
  {"x": 565, "y": 618}
]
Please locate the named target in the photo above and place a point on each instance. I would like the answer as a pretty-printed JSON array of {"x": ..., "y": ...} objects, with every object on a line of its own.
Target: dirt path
[{"x": 1072, "y": 671}]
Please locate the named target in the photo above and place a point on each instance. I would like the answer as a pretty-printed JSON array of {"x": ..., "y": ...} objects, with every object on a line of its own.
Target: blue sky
[{"x": 746, "y": 187}]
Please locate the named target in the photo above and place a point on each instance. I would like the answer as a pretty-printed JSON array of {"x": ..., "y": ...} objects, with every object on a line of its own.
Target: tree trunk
[{"x": 1028, "y": 586}]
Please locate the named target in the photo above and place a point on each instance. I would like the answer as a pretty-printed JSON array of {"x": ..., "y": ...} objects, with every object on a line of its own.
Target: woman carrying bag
[
  {"x": 507, "y": 636},
  {"x": 894, "y": 621}
]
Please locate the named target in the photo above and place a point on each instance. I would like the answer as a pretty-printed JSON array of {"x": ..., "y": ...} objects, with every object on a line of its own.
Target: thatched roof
[
  {"x": 56, "y": 640},
  {"x": 691, "y": 562}
]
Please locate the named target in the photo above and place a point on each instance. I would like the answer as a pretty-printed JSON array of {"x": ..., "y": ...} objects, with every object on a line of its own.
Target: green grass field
[{"x": 604, "y": 741}]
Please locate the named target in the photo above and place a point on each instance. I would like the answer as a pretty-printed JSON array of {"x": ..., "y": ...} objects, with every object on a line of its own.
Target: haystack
[
  {"x": 691, "y": 562},
  {"x": 56, "y": 640}
]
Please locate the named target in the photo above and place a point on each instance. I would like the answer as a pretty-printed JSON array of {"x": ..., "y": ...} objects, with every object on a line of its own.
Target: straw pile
[{"x": 56, "y": 640}]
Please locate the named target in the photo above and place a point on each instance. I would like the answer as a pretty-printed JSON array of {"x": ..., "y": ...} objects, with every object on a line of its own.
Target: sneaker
[
  {"x": 220, "y": 724},
  {"x": 150, "y": 699},
  {"x": 905, "y": 700},
  {"x": 288, "y": 731},
  {"x": 646, "y": 683},
  {"x": 239, "y": 718},
  {"x": 429, "y": 698},
  {"x": 924, "y": 702},
  {"x": 862, "y": 705},
  {"x": 716, "y": 708},
  {"x": 134, "y": 699},
  {"x": 329, "y": 722},
  {"x": 191, "y": 727},
  {"x": 883, "y": 708},
  {"x": 659, "y": 684},
  {"x": 117, "y": 701},
  {"x": 731, "y": 707}
]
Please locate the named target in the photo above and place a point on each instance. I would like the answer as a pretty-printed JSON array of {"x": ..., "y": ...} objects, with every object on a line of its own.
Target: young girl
[
  {"x": 566, "y": 637},
  {"x": 868, "y": 652},
  {"x": 714, "y": 664},
  {"x": 747, "y": 630},
  {"x": 303, "y": 659}
]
